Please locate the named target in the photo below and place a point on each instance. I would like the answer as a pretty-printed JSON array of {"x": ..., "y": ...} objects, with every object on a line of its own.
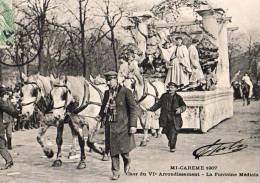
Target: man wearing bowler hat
[
  {"x": 172, "y": 105},
  {"x": 118, "y": 110}
]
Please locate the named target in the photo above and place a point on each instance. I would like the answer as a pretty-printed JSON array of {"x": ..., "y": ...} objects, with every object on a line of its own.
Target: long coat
[
  {"x": 168, "y": 105},
  {"x": 118, "y": 137}
]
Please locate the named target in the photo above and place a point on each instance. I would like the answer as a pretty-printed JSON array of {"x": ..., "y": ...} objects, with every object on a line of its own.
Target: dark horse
[{"x": 245, "y": 92}]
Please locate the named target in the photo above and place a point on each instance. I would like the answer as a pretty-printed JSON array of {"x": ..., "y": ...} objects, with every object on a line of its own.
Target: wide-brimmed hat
[{"x": 110, "y": 75}]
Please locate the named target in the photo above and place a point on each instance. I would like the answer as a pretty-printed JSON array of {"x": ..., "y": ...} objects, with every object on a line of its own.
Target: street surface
[{"x": 32, "y": 167}]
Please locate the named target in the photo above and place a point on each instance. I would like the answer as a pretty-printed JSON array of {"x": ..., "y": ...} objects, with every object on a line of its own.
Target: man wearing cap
[
  {"x": 118, "y": 110},
  {"x": 172, "y": 105},
  {"x": 179, "y": 69}
]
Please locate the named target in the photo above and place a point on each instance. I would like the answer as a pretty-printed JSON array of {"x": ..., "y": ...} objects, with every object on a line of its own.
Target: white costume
[
  {"x": 249, "y": 82},
  {"x": 179, "y": 69},
  {"x": 128, "y": 70},
  {"x": 197, "y": 74},
  {"x": 123, "y": 72}
]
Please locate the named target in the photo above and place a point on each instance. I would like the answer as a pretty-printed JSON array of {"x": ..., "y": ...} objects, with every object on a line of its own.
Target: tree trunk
[{"x": 114, "y": 47}]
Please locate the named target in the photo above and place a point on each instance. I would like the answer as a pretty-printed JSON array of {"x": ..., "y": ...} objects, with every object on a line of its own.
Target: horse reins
[{"x": 145, "y": 92}]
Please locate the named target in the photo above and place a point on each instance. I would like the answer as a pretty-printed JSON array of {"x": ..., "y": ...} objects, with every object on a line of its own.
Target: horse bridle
[
  {"x": 37, "y": 88},
  {"x": 66, "y": 93}
]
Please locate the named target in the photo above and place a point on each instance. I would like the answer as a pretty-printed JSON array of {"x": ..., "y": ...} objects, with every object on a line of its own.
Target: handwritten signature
[{"x": 219, "y": 148}]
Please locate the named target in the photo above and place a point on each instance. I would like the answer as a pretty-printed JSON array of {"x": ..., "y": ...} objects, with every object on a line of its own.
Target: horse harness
[
  {"x": 146, "y": 93},
  {"x": 34, "y": 93},
  {"x": 64, "y": 97}
]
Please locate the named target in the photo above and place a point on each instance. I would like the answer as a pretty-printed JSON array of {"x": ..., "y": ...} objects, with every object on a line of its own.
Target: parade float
[{"x": 189, "y": 19}]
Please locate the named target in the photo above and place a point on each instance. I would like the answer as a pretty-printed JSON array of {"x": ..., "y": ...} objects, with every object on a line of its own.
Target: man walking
[
  {"x": 118, "y": 110},
  {"x": 3, "y": 149},
  {"x": 172, "y": 105}
]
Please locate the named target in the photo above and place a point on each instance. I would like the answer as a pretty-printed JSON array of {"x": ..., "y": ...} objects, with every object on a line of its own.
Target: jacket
[{"x": 169, "y": 104}]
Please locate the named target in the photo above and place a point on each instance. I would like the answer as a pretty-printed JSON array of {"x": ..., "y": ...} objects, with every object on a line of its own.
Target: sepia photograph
[{"x": 142, "y": 91}]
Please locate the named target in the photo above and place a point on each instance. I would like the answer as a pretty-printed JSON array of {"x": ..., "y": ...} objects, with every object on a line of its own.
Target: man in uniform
[
  {"x": 172, "y": 105},
  {"x": 118, "y": 110}
]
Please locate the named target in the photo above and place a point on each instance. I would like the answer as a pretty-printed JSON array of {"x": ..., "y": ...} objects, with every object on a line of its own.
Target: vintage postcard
[{"x": 129, "y": 91}]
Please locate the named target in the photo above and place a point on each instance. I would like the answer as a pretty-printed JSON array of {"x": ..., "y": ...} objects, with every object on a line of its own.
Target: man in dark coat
[
  {"x": 7, "y": 107},
  {"x": 172, "y": 105},
  {"x": 118, "y": 110}
]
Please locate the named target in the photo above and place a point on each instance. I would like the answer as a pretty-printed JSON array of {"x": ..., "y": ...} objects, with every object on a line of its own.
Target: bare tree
[
  {"x": 113, "y": 13},
  {"x": 35, "y": 15},
  {"x": 253, "y": 51}
]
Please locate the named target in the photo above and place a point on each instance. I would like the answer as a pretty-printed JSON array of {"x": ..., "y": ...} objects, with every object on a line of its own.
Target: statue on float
[{"x": 191, "y": 66}]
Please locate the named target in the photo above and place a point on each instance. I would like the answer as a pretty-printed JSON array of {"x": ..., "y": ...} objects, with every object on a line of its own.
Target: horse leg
[
  {"x": 143, "y": 121},
  {"x": 159, "y": 134},
  {"x": 94, "y": 147},
  {"x": 59, "y": 141},
  {"x": 73, "y": 151},
  {"x": 248, "y": 100},
  {"x": 82, "y": 163},
  {"x": 244, "y": 98},
  {"x": 40, "y": 139}
]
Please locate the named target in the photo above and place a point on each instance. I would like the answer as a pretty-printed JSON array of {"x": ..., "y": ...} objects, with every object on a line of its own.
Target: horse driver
[{"x": 118, "y": 110}]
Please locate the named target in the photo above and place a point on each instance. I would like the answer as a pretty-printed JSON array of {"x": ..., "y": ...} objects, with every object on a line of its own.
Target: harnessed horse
[
  {"x": 36, "y": 105},
  {"x": 82, "y": 116},
  {"x": 34, "y": 97},
  {"x": 146, "y": 94}
]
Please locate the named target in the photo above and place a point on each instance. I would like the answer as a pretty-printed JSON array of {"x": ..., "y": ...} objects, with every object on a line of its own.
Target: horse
[
  {"x": 245, "y": 88},
  {"x": 36, "y": 105},
  {"x": 34, "y": 100},
  {"x": 77, "y": 102},
  {"x": 147, "y": 92},
  {"x": 33, "y": 89}
]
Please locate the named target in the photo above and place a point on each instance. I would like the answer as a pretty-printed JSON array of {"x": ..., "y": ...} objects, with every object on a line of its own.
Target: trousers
[
  {"x": 116, "y": 162},
  {"x": 171, "y": 134},
  {"x": 3, "y": 150}
]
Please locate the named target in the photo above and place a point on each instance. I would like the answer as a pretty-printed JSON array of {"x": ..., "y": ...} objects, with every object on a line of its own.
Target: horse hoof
[
  {"x": 48, "y": 152},
  {"x": 105, "y": 157},
  {"x": 81, "y": 165},
  {"x": 57, "y": 163},
  {"x": 143, "y": 143}
]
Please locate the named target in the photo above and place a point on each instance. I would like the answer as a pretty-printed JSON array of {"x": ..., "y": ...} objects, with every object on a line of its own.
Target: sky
[{"x": 245, "y": 13}]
